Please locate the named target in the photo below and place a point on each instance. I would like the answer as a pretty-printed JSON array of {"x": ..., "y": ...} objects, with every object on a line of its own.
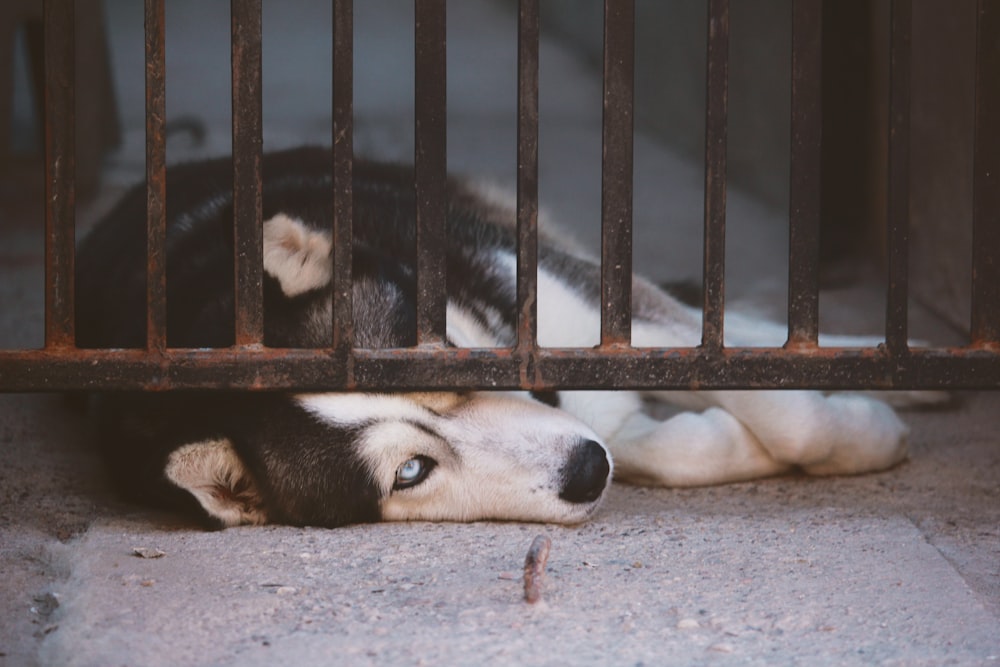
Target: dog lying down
[{"x": 331, "y": 459}]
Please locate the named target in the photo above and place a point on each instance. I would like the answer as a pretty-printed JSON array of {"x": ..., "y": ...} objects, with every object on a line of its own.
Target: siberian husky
[{"x": 331, "y": 459}]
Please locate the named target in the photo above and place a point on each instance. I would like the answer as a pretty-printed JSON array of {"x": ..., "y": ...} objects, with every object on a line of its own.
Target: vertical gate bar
[
  {"x": 986, "y": 178},
  {"x": 899, "y": 177},
  {"x": 247, "y": 140},
  {"x": 60, "y": 171},
  {"x": 156, "y": 179},
  {"x": 343, "y": 174},
  {"x": 430, "y": 163},
  {"x": 616, "y": 172},
  {"x": 716, "y": 111},
  {"x": 527, "y": 173},
  {"x": 804, "y": 188}
]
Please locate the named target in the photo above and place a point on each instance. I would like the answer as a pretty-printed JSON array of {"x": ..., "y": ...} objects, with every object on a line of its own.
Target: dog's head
[
  {"x": 333, "y": 459},
  {"x": 337, "y": 458}
]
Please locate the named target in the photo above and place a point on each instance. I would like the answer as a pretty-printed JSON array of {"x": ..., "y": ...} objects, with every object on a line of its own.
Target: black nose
[{"x": 585, "y": 474}]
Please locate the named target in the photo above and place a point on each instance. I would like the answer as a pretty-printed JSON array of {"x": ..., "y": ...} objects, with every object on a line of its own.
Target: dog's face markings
[
  {"x": 465, "y": 457},
  {"x": 447, "y": 456}
]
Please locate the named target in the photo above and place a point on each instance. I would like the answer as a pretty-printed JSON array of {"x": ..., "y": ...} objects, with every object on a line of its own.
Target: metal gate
[{"x": 801, "y": 362}]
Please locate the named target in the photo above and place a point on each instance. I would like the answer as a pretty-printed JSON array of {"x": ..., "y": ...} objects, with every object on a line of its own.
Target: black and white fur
[{"x": 336, "y": 458}]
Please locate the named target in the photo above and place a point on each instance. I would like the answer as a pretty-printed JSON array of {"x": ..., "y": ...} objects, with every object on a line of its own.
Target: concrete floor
[{"x": 897, "y": 568}]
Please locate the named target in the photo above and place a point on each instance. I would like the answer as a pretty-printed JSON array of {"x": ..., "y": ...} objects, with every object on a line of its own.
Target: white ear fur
[
  {"x": 213, "y": 473},
  {"x": 297, "y": 256}
]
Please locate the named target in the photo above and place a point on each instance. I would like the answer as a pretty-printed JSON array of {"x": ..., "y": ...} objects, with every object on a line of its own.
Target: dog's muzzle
[{"x": 585, "y": 474}]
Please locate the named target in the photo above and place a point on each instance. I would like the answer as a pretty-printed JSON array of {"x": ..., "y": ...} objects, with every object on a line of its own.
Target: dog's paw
[{"x": 869, "y": 437}]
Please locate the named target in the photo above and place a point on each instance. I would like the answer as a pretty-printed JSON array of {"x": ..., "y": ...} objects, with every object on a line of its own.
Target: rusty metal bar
[
  {"x": 527, "y": 176},
  {"x": 247, "y": 144},
  {"x": 716, "y": 113},
  {"x": 898, "y": 214},
  {"x": 616, "y": 173},
  {"x": 804, "y": 189},
  {"x": 59, "y": 366},
  {"x": 430, "y": 162},
  {"x": 343, "y": 188},
  {"x": 60, "y": 171},
  {"x": 415, "y": 369},
  {"x": 156, "y": 178},
  {"x": 735, "y": 368},
  {"x": 986, "y": 179}
]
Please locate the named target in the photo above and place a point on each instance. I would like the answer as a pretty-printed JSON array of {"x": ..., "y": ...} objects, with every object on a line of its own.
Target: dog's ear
[
  {"x": 297, "y": 256},
  {"x": 213, "y": 473}
]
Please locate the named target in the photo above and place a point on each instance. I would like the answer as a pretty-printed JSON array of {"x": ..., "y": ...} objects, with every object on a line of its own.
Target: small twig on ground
[{"x": 534, "y": 568}]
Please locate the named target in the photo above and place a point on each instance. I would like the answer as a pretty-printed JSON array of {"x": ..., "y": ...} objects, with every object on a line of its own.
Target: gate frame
[{"x": 614, "y": 364}]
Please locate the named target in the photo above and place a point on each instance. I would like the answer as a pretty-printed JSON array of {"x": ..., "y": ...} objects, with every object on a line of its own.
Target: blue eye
[{"x": 413, "y": 472}]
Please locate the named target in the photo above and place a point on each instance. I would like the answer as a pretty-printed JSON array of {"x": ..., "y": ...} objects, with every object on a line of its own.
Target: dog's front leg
[
  {"x": 824, "y": 435},
  {"x": 690, "y": 449},
  {"x": 748, "y": 434}
]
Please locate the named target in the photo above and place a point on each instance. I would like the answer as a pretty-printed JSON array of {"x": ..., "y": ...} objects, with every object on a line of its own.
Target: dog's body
[{"x": 332, "y": 459}]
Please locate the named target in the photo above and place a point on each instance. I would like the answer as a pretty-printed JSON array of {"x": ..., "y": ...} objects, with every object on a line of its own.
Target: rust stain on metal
[{"x": 802, "y": 345}]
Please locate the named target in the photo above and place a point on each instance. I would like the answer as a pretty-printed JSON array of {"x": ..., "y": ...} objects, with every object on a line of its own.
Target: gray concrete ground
[{"x": 899, "y": 568}]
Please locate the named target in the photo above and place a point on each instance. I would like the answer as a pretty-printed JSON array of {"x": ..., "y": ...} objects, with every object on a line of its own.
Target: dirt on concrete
[{"x": 901, "y": 567}]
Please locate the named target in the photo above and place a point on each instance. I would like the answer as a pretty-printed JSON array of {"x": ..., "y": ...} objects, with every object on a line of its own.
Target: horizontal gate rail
[
  {"x": 502, "y": 368},
  {"x": 431, "y": 364}
]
